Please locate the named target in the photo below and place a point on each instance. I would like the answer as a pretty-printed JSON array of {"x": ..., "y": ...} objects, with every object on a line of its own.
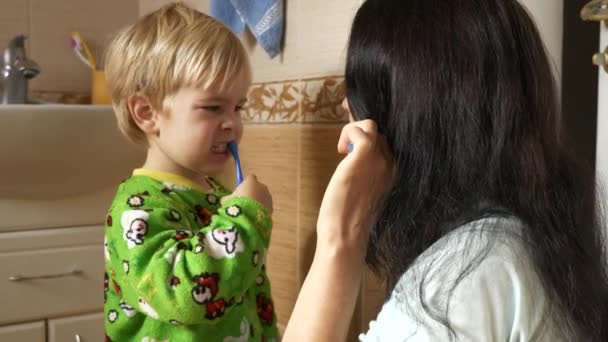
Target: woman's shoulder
[
  {"x": 479, "y": 240},
  {"x": 481, "y": 278},
  {"x": 485, "y": 248}
]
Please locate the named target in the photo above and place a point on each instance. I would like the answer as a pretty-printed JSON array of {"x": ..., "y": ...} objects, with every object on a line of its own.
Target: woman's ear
[{"x": 143, "y": 113}]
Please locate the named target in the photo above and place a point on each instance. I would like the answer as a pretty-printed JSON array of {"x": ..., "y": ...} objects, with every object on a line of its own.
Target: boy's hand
[{"x": 253, "y": 189}]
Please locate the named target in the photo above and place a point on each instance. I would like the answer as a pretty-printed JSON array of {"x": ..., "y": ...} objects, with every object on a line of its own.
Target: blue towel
[{"x": 263, "y": 17}]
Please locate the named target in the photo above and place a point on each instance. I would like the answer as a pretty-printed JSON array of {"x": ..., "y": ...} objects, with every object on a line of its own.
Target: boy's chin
[{"x": 215, "y": 170}]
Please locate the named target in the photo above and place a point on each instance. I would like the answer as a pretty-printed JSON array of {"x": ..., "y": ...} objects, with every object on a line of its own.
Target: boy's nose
[{"x": 231, "y": 122}]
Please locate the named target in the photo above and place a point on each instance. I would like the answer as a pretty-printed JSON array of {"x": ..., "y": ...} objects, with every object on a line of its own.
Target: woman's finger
[
  {"x": 355, "y": 135},
  {"x": 369, "y": 126}
]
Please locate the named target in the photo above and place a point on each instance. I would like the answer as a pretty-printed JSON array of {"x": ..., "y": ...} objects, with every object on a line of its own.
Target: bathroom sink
[
  {"x": 60, "y": 164},
  {"x": 61, "y": 156},
  {"x": 51, "y": 151}
]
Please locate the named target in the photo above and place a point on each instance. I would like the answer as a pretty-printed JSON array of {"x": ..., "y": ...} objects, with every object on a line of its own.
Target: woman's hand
[{"x": 355, "y": 190}]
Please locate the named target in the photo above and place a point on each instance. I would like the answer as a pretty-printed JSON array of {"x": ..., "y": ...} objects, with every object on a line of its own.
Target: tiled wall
[
  {"x": 315, "y": 38},
  {"x": 293, "y": 122},
  {"x": 48, "y": 25}
]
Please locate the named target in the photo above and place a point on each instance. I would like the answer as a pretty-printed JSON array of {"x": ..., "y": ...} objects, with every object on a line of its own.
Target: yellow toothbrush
[{"x": 81, "y": 47}]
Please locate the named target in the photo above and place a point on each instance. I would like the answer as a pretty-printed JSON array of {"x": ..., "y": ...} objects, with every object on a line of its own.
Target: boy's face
[{"x": 199, "y": 124}]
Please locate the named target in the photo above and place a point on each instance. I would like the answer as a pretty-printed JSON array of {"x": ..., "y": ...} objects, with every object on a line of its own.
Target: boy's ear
[{"x": 143, "y": 113}]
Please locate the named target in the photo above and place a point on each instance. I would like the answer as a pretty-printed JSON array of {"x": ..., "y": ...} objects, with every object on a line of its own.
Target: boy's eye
[{"x": 212, "y": 108}]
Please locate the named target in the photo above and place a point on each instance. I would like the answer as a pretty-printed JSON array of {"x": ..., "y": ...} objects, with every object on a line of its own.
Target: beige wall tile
[
  {"x": 316, "y": 33},
  {"x": 201, "y": 5},
  {"x": 51, "y": 23},
  {"x": 323, "y": 34},
  {"x": 147, "y": 6},
  {"x": 13, "y": 20},
  {"x": 270, "y": 152},
  {"x": 318, "y": 160},
  {"x": 281, "y": 67},
  {"x": 284, "y": 66},
  {"x": 372, "y": 298}
]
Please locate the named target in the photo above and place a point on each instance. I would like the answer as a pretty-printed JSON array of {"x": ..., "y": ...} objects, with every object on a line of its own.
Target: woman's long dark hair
[{"x": 465, "y": 94}]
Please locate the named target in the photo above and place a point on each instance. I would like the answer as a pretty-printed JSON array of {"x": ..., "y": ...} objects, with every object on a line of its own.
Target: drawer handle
[
  {"x": 77, "y": 337},
  {"x": 48, "y": 276}
]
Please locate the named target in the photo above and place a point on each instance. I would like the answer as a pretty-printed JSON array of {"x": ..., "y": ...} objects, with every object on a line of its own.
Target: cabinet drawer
[
  {"x": 51, "y": 238},
  {"x": 84, "y": 328},
  {"x": 43, "y": 286},
  {"x": 30, "y": 332}
]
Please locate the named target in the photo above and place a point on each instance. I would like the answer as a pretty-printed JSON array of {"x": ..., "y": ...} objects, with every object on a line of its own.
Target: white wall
[{"x": 549, "y": 15}]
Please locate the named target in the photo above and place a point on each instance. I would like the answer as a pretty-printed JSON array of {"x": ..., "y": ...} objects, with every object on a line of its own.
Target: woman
[{"x": 486, "y": 228}]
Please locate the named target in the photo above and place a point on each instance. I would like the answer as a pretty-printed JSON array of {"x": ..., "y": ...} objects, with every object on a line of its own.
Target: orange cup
[{"x": 99, "y": 88}]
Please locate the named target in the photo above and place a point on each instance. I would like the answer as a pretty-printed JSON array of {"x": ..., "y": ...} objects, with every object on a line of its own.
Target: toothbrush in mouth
[{"x": 233, "y": 148}]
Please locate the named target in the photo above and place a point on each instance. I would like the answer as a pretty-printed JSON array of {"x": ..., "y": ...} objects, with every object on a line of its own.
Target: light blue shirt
[{"x": 502, "y": 299}]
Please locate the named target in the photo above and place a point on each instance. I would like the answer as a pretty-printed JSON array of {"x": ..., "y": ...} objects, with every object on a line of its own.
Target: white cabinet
[
  {"x": 61, "y": 165},
  {"x": 51, "y": 282},
  {"x": 83, "y": 328},
  {"x": 54, "y": 275},
  {"x": 30, "y": 332}
]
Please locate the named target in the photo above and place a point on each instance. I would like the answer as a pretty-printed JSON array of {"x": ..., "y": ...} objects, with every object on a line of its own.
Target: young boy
[{"x": 184, "y": 257}]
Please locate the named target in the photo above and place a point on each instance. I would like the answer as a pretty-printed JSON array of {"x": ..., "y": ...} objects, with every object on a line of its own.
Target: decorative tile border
[
  {"x": 312, "y": 100},
  {"x": 309, "y": 100},
  {"x": 276, "y": 102},
  {"x": 60, "y": 97},
  {"x": 322, "y": 100}
]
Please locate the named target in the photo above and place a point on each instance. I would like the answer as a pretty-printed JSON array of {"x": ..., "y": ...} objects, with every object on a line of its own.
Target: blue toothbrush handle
[
  {"x": 232, "y": 146},
  {"x": 239, "y": 171}
]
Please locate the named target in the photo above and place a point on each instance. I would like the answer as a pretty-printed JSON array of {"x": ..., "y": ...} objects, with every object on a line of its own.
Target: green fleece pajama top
[{"x": 180, "y": 266}]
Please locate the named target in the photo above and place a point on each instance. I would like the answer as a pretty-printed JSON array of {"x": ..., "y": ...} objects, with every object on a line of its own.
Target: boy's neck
[{"x": 159, "y": 161}]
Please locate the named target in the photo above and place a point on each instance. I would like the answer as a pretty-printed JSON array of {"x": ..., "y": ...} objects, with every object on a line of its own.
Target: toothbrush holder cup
[{"x": 99, "y": 88}]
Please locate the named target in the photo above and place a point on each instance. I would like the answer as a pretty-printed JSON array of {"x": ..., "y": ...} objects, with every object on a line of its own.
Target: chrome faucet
[{"x": 17, "y": 70}]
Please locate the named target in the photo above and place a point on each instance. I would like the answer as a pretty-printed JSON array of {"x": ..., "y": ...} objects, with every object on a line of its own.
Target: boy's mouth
[{"x": 218, "y": 148}]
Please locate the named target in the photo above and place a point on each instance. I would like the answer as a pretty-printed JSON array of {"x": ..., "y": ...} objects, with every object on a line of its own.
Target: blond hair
[{"x": 168, "y": 49}]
